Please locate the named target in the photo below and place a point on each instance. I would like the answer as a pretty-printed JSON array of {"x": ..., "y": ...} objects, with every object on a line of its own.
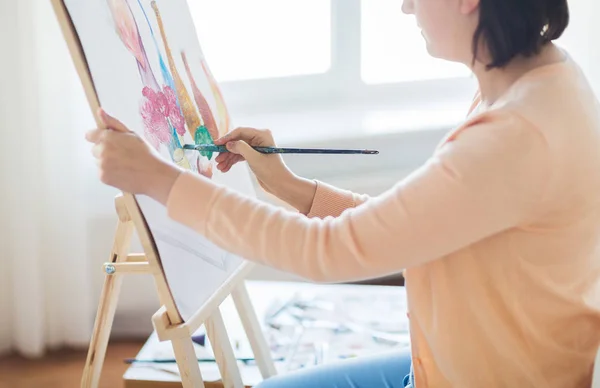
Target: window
[
  {"x": 274, "y": 55},
  {"x": 264, "y": 38}
]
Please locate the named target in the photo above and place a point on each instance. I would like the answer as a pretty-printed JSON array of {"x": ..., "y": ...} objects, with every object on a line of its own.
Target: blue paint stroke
[{"x": 168, "y": 78}]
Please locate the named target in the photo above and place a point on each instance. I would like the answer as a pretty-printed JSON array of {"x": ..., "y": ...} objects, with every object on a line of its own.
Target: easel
[{"x": 167, "y": 321}]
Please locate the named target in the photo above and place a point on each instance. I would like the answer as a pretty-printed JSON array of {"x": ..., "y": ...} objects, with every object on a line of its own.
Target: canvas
[{"x": 149, "y": 71}]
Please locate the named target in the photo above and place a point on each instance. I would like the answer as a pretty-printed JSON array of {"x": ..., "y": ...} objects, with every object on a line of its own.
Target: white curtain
[
  {"x": 46, "y": 297},
  {"x": 51, "y": 244}
]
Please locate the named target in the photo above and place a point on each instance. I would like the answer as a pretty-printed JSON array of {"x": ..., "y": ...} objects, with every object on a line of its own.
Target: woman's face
[{"x": 447, "y": 26}]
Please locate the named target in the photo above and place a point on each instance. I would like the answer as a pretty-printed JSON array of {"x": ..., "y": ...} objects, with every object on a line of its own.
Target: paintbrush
[
  {"x": 173, "y": 361},
  {"x": 279, "y": 150}
]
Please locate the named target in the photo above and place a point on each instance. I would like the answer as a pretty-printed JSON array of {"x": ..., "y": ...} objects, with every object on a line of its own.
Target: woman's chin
[
  {"x": 434, "y": 52},
  {"x": 430, "y": 49},
  {"x": 428, "y": 45}
]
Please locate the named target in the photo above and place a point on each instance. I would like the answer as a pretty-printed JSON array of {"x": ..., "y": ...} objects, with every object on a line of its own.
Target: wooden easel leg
[
  {"x": 217, "y": 333},
  {"x": 106, "y": 309},
  {"x": 259, "y": 345},
  {"x": 183, "y": 347},
  {"x": 187, "y": 363}
]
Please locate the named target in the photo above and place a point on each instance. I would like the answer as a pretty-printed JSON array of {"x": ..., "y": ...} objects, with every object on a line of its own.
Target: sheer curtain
[
  {"x": 51, "y": 197},
  {"x": 46, "y": 297}
]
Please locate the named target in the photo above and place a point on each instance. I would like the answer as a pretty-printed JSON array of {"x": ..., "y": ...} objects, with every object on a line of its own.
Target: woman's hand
[
  {"x": 128, "y": 163},
  {"x": 270, "y": 170}
]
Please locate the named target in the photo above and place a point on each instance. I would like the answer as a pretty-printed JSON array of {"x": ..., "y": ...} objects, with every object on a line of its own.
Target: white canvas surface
[{"x": 194, "y": 266}]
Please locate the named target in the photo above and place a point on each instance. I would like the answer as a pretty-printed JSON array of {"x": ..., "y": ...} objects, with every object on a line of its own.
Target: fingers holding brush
[
  {"x": 239, "y": 143},
  {"x": 270, "y": 170},
  {"x": 227, "y": 160}
]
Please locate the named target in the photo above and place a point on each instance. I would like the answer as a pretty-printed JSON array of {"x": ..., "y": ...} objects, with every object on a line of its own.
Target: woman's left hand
[{"x": 128, "y": 163}]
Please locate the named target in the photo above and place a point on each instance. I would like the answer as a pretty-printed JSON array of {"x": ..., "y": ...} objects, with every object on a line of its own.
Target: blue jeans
[{"x": 391, "y": 370}]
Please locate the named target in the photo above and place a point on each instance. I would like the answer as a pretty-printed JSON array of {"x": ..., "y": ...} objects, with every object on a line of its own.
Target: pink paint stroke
[
  {"x": 174, "y": 114},
  {"x": 158, "y": 108}
]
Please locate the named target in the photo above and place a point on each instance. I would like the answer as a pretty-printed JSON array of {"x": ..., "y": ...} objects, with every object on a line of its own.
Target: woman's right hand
[{"x": 270, "y": 170}]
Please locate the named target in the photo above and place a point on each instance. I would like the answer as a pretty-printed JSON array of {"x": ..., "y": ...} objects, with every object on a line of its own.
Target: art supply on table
[
  {"x": 334, "y": 327},
  {"x": 280, "y": 150},
  {"x": 199, "y": 339},
  {"x": 293, "y": 349}
]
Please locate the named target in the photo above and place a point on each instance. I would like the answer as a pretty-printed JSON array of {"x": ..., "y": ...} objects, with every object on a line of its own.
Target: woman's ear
[{"x": 467, "y": 7}]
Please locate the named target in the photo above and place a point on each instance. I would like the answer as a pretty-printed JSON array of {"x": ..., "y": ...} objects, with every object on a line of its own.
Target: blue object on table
[{"x": 199, "y": 339}]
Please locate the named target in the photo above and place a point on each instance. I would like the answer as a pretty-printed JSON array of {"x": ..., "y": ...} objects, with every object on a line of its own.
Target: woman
[{"x": 498, "y": 233}]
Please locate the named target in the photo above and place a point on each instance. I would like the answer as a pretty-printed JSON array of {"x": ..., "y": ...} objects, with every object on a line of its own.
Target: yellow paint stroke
[
  {"x": 222, "y": 111},
  {"x": 187, "y": 106},
  {"x": 205, "y": 111}
]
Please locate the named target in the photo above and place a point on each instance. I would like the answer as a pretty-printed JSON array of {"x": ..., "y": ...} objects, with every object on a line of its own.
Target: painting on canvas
[{"x": 148, "y": 70}]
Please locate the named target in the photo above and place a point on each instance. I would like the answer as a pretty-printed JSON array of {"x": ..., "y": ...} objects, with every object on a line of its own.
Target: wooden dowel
[
  {"x": 137, "y": 258},
  {"x": 127, "y": 268}
]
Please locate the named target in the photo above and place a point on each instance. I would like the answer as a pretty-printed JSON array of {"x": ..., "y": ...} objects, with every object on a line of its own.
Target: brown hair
[{"x": 509, "y": 28}]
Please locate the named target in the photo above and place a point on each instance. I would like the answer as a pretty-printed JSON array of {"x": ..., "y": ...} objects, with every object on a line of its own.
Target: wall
[
  {"x": 593, "y": 35},
  {"x": 581, "y": 38}
]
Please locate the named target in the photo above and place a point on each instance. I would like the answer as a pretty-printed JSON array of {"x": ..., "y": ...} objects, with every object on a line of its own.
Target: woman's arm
[
  {"x": 490, "y": 178},
  {"x": 316, "y": 199},
  {"x": 309, "y": 197},
  {"x": 330, "y": 201}
]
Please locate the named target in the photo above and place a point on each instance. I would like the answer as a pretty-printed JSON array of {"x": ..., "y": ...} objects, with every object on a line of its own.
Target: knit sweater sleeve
[{"x": 488, "y": 178}]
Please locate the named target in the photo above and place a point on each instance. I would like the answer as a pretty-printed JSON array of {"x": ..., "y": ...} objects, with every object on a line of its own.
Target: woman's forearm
[{"x": 298, "y": 192}]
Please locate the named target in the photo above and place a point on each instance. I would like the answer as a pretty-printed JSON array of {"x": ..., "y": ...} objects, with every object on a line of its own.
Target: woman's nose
[{"x": 408, "y": 7}]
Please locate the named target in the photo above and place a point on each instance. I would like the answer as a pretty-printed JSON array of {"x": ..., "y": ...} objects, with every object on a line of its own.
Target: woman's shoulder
[
  {"x": 552, "y": 96},
  {"x": 555, "y": 101}
]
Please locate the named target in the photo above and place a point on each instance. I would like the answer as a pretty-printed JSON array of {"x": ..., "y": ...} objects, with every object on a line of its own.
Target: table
[{"x": 359, "y": 303}]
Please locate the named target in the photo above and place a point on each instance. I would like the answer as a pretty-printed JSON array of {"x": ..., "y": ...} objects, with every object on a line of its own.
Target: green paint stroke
[{"x": 202, "y": 136}]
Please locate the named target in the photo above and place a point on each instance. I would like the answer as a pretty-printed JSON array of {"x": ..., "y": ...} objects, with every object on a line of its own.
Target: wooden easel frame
[{"x": 167, "y": 321}]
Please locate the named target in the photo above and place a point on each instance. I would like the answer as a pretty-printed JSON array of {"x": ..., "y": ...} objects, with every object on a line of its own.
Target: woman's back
[{"x": 522, "y": 306}]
